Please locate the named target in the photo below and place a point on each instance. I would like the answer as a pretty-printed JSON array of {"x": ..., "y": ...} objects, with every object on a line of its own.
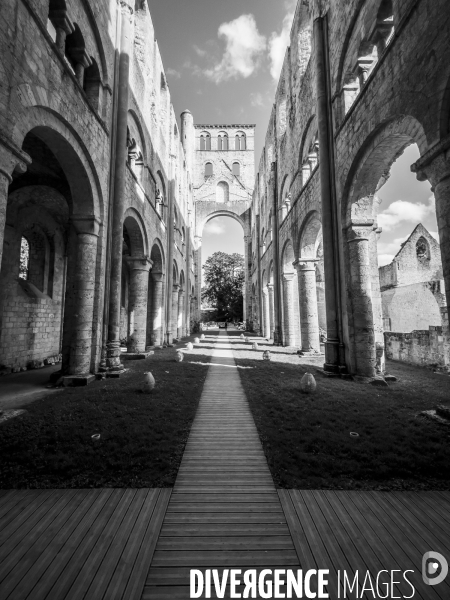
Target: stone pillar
[
  {"x": 361, "y": 295},
  {"x": 63, "y": 27},
  {"x": 180, "y": 312},
  {"x": 435, "y": 166},
  {"x": 137, "y": 303},
  {"x": 83, "y": 61},
  {"x": 174, "y": 323},
  {"x": 5, "y": 180},
  {"x": 306, "y": 173},
  {"x": 157, "y": 309},
  {"x": 266, "y": 314},
  {"x": 271, "y": 310},
  {"x": 288, "y": 309},
  {"x": 309, "y": 314},
  {"x": 84, "y": 294}
]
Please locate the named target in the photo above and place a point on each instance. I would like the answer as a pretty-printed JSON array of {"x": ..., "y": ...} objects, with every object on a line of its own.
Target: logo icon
[{"x": 434, "y": 568}]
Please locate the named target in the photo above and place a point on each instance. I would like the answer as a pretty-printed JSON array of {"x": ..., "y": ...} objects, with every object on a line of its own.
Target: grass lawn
[
  {"x": 142, "y": 436},
  {"x": 307, "y": 439}
]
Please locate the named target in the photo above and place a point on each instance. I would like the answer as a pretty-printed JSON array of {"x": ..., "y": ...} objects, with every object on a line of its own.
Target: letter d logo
[{"x": 434, "y": 568}]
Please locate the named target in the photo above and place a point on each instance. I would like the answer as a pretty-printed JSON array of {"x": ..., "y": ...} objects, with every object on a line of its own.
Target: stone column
[
  {"x": 5, "y": 180},
  {"x": 137, "y": 303},
  {"x": 435, "y": 166},
  {"x": 271, "y": 310},
  {"x": 87, "y": 230},
  {"x": 266, "y": 314},
  {"x": 180, "y": 321},
  {"x": 157, "y": 309},
  {"x": 174, "y": 323},
  {"x": 361, "y": 295},
  {"x": 288, "y": 309},
  {"x": 63, "y": 27},
  {"x": 309, "y": 314}
]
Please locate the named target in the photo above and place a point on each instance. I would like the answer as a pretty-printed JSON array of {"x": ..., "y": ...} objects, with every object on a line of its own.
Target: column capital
[
  {"x": 176, "y": 287},
  {"x": 305, "y": 264},
  {"x": 12, "y": 158},
  {"x": 288, "y": 276},
  {"x": 158, "y": 276},
  {"x": 139, "y": 263},
  {"x": 87, "y": 225},
  {"x": 434, "y": 165},
  {"x": 360, "y": 230},
  {"x": 270, "y": 287},
  {"x": 60, "y": 19}
]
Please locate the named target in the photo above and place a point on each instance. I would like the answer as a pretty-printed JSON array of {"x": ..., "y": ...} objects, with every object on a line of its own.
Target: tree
[{"x": 224, "y": 284}]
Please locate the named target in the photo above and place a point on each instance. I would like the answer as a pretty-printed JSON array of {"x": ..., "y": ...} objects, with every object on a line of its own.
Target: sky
[{"x": 222, "y": 60}]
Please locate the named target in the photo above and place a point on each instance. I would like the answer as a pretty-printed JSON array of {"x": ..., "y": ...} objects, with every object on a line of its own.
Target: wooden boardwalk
[
  {"x": 75, "y": 544},
  {"x": 223, "y": 513}
]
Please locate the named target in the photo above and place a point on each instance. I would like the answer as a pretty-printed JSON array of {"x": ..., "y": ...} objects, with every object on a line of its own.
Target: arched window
[
  {"x": 75, "y": 51},
  {"x": 423, "y": 249},
  {"x": 91, "y": 84},
  {"x": 222, "y": 141},
  {"x": 222, "y": 192},
  {"x": 160, "y": 199},
  {"x": 236, "y": 169},
  {"x": 241, "y": 141},
  {"x": 24, "y": 258},
  {"x": 205, "y": 141},
  {"x": 135, "y": 156},
  {"x": 209, "y": 169}
]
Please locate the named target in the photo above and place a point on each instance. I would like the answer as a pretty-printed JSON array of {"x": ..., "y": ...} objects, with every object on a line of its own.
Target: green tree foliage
[{"x": 224, "y": 284}]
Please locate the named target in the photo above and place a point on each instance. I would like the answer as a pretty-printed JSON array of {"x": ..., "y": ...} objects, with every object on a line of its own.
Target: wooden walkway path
[
  {"x": 224, "y": 510},
  {"x": 223, "y": 513}
]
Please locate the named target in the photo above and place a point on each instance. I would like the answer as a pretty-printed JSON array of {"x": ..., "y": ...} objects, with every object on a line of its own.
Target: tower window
[
  {"x": 205, "y": 141},
  {"x": 236, "y": 169},
  {"x": 209, "y": 170},
  {"x": 24, "y": 259},
  {"x": 241, "y": 141},
  {"x": 222, "y": 141}
]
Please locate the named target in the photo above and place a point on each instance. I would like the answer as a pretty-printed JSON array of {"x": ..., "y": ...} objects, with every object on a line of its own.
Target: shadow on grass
[
  {"x": 307, "y": 439},
  {"x": 142, "y": 435}
]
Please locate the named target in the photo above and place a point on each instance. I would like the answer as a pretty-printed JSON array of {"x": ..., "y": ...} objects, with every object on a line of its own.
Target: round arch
[
  {"x": 222, "y": 213},
  {"x": 371, "y": 166},
  {"x": 310, "y": 236},
  {"x": 135, "y": 229},
  {"x": 72, "y": 154},
  {"x": 288, "y": 257},
  {"x": 157, "y": 256}
]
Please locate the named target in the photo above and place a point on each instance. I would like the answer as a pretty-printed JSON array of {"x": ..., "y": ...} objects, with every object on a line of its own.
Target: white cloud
[
  {"x": 392, "y": 247},
  {"x": 279, "y": 42},
  {"x": 435, "y": 234},
  {"x": 215, "y": 227},
  {"x": 199, "y": 51},
  {"x": 402, "y": 211},
  {"x": 173, "y": 73},
  {"x": 257, "y": 100},
  {"x": 385, "y": 259},
  {"x": 244, "y": 49}
]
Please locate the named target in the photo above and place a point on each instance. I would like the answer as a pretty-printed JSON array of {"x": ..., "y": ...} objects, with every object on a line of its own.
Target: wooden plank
[
  {"x": 122, "y": 572},
  {"x": 233, "y": 507},
  {"x": 13, "y": 550},
  {"x": 140, "y": 570},
  {"x": 90, "y": 563},
  {"x": 62, "y": 554},
  {"x": 197, "y": 559},
  {"x": 178, "y": 497},
  {"x": 100, "y": 582},
  {"x": 224, "y": 530},
  {"x": 226, "y": 543},
  {"x": 15, "y": 520},
  {"x": 96, "y": 526},
  {"x": 15, "y": 502},
  {"x": 36, "y": 561},
  {"x": 225, "y": 518}
]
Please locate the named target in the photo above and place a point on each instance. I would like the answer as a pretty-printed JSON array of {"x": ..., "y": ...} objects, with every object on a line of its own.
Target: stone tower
[{"x": 224, "y": 176}]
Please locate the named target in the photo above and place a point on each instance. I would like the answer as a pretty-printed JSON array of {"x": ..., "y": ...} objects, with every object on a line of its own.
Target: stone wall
[{"x": 424, "y": 348}]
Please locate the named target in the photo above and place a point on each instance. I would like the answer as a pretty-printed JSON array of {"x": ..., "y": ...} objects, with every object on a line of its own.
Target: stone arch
[
  {"x": 310, "y": 236},
  {"x": 222, "y": 213},
  {"x": 288, "y": 257},
  {"x": 445, "y": 111},
  {"x": 368, "y": 173},
  {"x": 182, "y": 279},
  {"x": 157, "y": 256},
  {"x": 72, "y": 153},
  {"x": 290, "y": 298},
  {"x": 175, "y": 273},
  {"x": 134, "y": 230},
  {"x": 222, "y": 192},
  {"x": 372, "y": 164}
]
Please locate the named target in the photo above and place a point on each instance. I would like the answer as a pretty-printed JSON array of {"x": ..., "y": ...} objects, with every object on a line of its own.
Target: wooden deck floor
[
  {"x": 223, "y": 513},
  {"x": 74, "y": 544}
]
